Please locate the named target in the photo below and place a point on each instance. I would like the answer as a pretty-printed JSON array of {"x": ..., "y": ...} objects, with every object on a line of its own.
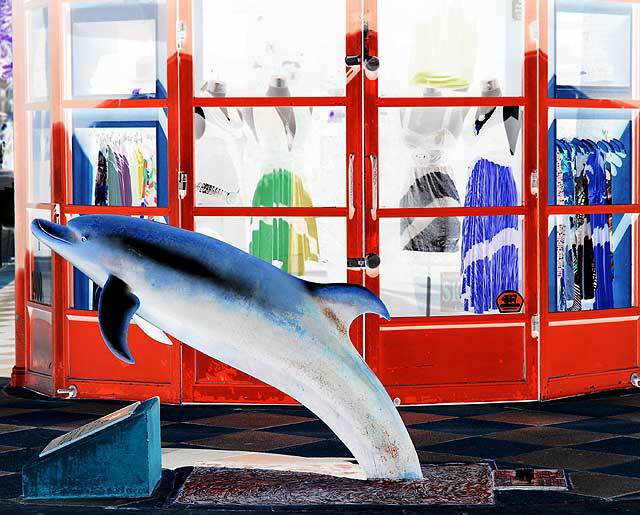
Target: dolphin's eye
[{"x": 83, "y": 238}]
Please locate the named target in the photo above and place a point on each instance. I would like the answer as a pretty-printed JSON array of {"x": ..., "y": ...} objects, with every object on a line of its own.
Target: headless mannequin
[
  {"x": 430, "y": 134},
  {"x": 510, "y": 115}
]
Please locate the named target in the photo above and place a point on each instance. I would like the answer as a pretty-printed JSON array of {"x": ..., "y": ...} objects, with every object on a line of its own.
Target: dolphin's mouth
[{"x": 47, "y": 231}]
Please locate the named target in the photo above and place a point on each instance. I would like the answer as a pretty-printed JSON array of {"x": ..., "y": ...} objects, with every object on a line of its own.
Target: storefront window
[
  {"x": 591, "y": 49},
  {"x": 590, "y": 261},
  {"x": 40, "y": 162},
  {"x": 118, "y": 49},
  {"x": 37, "y": 22},
  {"x": 450, "y": 157},
  {"x": 312, "y": 248},
  {"x": 245, "y": 44},
  {"x": 590, "y": 154},
  {"x": 270, "y": 156},
  {"x": 449, "y": 265},
  {"x": 455, "y": 46},
  {"x": 41, "y": 279},
  {"x": 119, "y": 157}
]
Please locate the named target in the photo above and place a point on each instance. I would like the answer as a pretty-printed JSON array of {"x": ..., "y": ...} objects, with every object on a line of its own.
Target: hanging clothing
[
  {"x": 445, "y": 45},
  {"x": 430, "y": 138},
  {"x": 289, "y": 244},
  {"x": 101, "y": 188},
  {"x": 490, "y": 244},
  {"x": 113, "y": 179},
  {"x": 490, "y": 253},
  {"x": 584, "y": 264}
]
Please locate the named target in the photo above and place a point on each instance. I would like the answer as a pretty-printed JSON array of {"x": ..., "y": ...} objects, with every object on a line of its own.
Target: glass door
[
  {"x": 271, "y": 148},
  {"x": 589, "y": 100},
  {"x": 450, "y": 212}
]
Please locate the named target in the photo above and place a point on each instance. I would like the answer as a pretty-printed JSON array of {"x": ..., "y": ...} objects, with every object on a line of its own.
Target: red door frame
[
  {"x": 72, "y": 327},
  {"x": 539, "y": 379},
  {"x": 240, "y": 388},
  {"x": 562, "y": 366},
  {"x": 458, "y": 391}
]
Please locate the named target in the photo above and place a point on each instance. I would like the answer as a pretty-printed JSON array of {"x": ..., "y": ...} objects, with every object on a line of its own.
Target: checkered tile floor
[{"x": 597, "y": 440}]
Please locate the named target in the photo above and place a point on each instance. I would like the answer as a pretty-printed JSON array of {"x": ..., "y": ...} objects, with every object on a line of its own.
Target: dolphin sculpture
[{"x": 238, "y": 309}]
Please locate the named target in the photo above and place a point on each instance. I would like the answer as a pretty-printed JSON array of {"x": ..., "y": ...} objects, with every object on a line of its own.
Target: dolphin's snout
[{"x": 49, "y": 232}]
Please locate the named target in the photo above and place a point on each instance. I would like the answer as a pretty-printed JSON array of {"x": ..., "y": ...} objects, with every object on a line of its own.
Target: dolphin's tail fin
[{"x": 343, "y": 302}]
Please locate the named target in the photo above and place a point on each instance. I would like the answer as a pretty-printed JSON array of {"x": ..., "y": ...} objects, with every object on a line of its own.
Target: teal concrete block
[{"x": 121, "y": 459}]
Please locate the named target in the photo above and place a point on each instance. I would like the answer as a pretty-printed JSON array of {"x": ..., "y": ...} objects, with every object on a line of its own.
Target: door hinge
[
  {"x": 535, "y": 326},
  {"x": 181, "y": 34},
  {"x": 369, "y": 261},
  {"x": 534, "y": 183},
  {"x": 182, "y": 184}
]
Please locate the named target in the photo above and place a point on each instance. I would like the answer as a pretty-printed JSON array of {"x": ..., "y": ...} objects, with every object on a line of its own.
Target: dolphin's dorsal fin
[
  {"x": 116, "y": 307},
  {"x": 151, "y": 330},
  {"x": 342, "y": 302}
]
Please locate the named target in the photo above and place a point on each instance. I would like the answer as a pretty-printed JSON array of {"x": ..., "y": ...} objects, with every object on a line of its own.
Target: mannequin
[
  {"x": 430, "y": 134},
  {"x": 281, "y": 133},
  {"x": 218, "y": 133},
  {"x": 491, "y": 244}
]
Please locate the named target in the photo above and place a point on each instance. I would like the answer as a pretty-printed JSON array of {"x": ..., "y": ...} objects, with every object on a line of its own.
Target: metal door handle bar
[
  {"x": 374, "y": 185},
  {"x": 352, "y": 207}
]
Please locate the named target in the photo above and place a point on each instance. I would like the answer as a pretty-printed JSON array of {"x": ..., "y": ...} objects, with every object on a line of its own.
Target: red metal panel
[
  {"x": 90, "y": 358},
  {"x": 589, "y": 346},
  {"x": 41, "y": 333},
  {"x": 452, "y": 354}
]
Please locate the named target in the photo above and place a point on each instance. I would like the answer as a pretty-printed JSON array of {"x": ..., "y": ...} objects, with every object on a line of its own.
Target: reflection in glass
[
  {"x": 40, "y": 131},
  {"x": 246, "y": 42},
  {"x": 119, "y": 157},
  {"x": 591, "y": 49},
  {"x": 462, "y": 278},
  {"x": 592, "y": 157},
  {"x": 450, "y": 45},
  {"x": 312, "y": 248},
  {"x": 590, "y": 260},
  {"x": 270, "y": 156},
  {"x": 37, "y": 23},
  {"x": 118, "y": 49},
  {"x": 448, "y": 157}
]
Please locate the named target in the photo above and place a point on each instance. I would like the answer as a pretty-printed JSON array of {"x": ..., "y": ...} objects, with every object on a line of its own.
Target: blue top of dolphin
[{"x": 234, "y": 307}]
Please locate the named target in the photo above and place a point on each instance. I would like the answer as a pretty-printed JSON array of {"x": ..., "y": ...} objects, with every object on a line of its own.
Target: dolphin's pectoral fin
[
  {"x": 116, "y": 307},
  {"x": 151, "y": 330},
  {"x": 342, "y": 302}
]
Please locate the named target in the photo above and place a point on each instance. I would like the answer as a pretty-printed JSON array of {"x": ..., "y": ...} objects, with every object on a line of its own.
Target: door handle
[
  {"x": 352, "y": 207},
  {"x": 374, "y": 186}
]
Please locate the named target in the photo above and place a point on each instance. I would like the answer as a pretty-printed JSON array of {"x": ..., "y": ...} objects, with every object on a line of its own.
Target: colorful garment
[
  {"x": 490, "y": 244},
  {"x": 287, "y": 244},
  {"x": 113, "y": 179},
  {"x": 101, "y": 188}
]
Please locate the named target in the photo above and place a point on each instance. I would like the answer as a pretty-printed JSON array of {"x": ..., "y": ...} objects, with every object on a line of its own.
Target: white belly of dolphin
[{"x": 320, "y": 368}]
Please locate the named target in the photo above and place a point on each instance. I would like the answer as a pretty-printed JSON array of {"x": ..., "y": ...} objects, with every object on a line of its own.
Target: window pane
[
  {"x": 41, "y": 278},
  {"x": 590, "y": 156},
  {"x": 119, "y": 157},
  {"x": 118, "y": 49},
  {"x": 450, "y": 47},
  {"x": 450, "y": 157},
  {"x": 270, "y": 156},
  {"x": 40, "y": 162},
  {"x": 244, "y": 45},
  {"x": 590, "y": 259},
  {"x": 449, "y": 265},
  {"x": 312, "y": 248},
  {"x": 591, "y": 49},
  {"x": 37, "y": 24}
]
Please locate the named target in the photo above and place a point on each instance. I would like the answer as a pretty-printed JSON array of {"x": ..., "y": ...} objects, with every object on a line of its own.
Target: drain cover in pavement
[
  {"x": 442, "y": 484},
  {"x": 525, "y": 479}
]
